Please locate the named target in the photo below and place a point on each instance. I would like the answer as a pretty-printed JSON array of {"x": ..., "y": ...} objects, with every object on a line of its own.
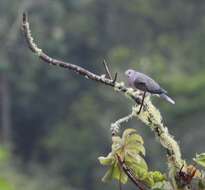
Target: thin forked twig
[
  {"x": 107, "y": 69},
  {"x": 109, "y": 73},
  {"x": 77, "y": 69}
]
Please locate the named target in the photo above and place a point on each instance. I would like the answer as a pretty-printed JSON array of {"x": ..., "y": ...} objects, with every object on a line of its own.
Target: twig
[
  {"x": 115, "y": 127},
  {"x": 107, "y": 69},
  {"x": 79, "y": 70},
  {"x": 115, "y": 78},
  {"x": 109, "y": 73}
]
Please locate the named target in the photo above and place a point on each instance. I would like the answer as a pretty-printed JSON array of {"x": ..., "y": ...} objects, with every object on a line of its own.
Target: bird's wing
[
  {"x": 140, "y": 84},
  {"x": 145, "y": 83}
]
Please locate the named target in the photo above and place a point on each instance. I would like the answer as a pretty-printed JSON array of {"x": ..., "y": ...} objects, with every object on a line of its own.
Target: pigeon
[{"x": 142, "y": 82}]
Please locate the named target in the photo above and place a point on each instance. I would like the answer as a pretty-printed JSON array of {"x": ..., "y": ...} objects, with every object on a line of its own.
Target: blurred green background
[{"x": 54, "y": 124}]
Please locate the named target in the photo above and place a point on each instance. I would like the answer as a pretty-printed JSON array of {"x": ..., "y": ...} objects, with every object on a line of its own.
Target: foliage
[
  {"x": 130, "y": 149},
  {"x": 200, "y": 159}
]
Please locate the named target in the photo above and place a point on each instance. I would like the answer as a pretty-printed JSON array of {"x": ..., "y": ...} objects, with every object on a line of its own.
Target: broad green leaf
[
  {"x": 115, "y": 172},
  {"x": 127, "y": 133},
  {"x": 108, "y": 175},
  {"x": 134, "y": 138},
  {"x": 133, "y": 142},
  {"x": 106, "y": 160},
  {"x": 117, "y": 143},
  {"x": 123, "y": 177},
  {"x": 129, "y": 148},
  {"x": 138, "y": 166},
  {"x": 200, "y": 159},
  {"x": 157, "y": 176},
  {"x": 149, "y": 181},
  {"x": 153, "y": 178},
  {"x": 135, "y": 148},
  {"x": 136, "y": 161},
  {"x": 139, "y": 172},
  {"x": 162, "y": 186}
]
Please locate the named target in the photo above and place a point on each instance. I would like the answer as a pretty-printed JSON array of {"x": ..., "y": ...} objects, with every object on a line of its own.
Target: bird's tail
[{"x": 167, "y": 98}]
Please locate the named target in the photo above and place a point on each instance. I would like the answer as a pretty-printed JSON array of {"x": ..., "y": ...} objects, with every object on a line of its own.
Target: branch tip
[
  {"x": 115, "y": 78},
  {"x": 107, "y": 69},
  {"x": 24, "y": 16}
]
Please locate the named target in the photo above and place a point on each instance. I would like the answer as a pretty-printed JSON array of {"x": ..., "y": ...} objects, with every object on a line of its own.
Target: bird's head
[{"x": 129, "y": 73}]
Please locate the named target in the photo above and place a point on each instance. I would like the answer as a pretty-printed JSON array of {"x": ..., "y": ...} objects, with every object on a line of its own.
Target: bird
[{"x": 141, "y": 81}]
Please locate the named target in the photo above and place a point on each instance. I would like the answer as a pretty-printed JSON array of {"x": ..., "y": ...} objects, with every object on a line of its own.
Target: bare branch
[
  {"x": 79, "y": 70},
  {"x": 109, "y": 73}
]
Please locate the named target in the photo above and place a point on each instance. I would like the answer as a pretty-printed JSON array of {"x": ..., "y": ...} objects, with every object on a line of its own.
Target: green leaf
[
  {"x": 117, "y": 143},
  {"x": 127, "y": 133},
  {"x": 136, "y": 160},
  {"x": 157, "y": 176},
  {"x": 108, "y": 175},
  {"x": 128, "y": 148},
  {"x": 162, "y": 186},
  {"x": 115, "y": 172},
  {"x": 200, "y": 159},
  {"x": 135, "y": 148},
  {"x": 140, "y": 173},
  {"x": 138, "y": 166},
  {"x": 133, "y": 142},
  {"x": 153, "y": 178},
  {"x": 149, "y": 181},
  {"x": 134, "y": 138},
  {"x": 109, "y": 160}
]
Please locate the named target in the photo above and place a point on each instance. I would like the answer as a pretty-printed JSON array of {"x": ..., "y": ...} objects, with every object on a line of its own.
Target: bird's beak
[{"x": 126, "y": 73}]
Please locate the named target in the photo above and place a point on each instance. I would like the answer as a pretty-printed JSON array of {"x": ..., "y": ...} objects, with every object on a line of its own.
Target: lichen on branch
[{"x": 151, "y": 116}]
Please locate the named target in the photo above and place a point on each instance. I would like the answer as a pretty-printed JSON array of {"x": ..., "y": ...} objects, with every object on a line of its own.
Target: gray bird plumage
[{"x": 143, "y": 82}]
